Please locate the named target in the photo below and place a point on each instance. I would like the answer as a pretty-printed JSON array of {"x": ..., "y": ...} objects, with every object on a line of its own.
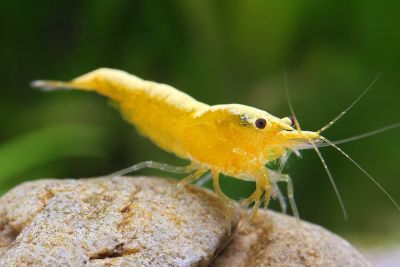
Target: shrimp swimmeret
[{"x": 231, "y": 139}]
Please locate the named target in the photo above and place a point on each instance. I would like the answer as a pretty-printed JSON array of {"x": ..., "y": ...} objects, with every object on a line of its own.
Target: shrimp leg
[
  {"x": 190, "y": 178},
  {"x": 155, "y": 165},
  {"x": 187, "y": 180},
  {"x": 217, "y": 189},
  {"x": 277, "y": 177},
  {"x": 255, "y": 196},
  {"x": 204, "y": 179},
  {"x": 262, "y": 185},
  {"x": 276, "y": 193}
]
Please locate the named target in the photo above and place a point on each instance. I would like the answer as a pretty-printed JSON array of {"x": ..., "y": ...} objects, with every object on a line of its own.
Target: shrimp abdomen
[{"x": 158, "y": 111}]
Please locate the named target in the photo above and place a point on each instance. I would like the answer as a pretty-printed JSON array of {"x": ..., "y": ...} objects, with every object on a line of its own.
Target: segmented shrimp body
[{"x": 232, "y": 139}]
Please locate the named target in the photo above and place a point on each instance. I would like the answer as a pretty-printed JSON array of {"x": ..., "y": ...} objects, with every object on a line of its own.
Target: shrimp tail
[
  {"x": 51, "y": 85},
  {"x": 107, "y": 82}
]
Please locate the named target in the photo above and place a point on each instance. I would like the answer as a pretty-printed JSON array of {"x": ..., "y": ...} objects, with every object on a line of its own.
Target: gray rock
[{"x": 146, "y": 222}]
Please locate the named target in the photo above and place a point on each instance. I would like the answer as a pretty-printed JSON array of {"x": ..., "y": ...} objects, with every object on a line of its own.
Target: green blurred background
[{"x": 218, "y": 52}]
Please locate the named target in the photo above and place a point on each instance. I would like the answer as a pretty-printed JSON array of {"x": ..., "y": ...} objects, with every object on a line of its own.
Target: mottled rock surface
[
  {"x": 145, "y": 222},
  {"x": 273, "y": 239}
]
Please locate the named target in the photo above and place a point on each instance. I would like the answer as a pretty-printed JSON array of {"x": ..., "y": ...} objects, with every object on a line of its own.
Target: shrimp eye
[
  {"x": 292, "y": 121},
  {"x": 261, "y": 123}
]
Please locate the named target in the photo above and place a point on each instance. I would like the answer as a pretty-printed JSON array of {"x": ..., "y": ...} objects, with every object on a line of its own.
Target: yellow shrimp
[{"x": 232, "y": 139}]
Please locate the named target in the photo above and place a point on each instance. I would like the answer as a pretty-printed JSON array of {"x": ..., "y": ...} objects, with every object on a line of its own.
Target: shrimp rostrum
[{"x": 232, "y": 139}]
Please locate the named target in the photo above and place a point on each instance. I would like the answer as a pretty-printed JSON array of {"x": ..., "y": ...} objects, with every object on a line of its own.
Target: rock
[
  {"x": 146, "y": 222},
  {"x": 120, "y": 222},
  {"x": 274, "y": 239}
]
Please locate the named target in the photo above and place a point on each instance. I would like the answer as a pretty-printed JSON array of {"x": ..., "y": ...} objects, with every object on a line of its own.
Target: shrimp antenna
[
  {"x": 363, "y": 170},
  {"x": 296, "y": 122},
  {"x": 354, "y": 138},
  {"x": 330, "y": 178},
  {"x": 316, "y": 150},
  {"x": 367, "y": 134},
  {"x": 338, "y": 117}
]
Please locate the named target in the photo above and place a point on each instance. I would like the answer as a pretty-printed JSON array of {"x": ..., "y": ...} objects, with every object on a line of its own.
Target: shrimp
[{"x": 230, "y": 139}]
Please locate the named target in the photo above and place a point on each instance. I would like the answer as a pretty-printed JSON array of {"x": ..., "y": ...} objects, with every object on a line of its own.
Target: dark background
[{"x": 218, "y": 52}]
